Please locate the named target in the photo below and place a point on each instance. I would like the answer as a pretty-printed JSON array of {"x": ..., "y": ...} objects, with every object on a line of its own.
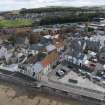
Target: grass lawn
[{"x": 15, "y": 23}]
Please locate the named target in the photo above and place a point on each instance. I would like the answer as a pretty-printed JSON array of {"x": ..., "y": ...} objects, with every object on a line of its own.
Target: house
[
  {"x": 40, "y": 31},
  {"x": 59, "y": 46},
  {"x": 36, "y": 47},
  {"x": 77, "y": 60},
  {"x": 50, "y": 48},
  {"x": 46, "y": 40},
  {"x": 22, "y": 31},
  {"x": 37, "y": 68},
  {"x": 6, "y": 51},
  {"x": 93, "y": 44},
  {"x": 32, "y": 70},
  {"x": 34, "y": 38},
  {"x": 3, "y": 52},
  {"x": 80, "y": 44},
  {"x": 21, "y": 42},
  {"x": 101, "y": 54}
]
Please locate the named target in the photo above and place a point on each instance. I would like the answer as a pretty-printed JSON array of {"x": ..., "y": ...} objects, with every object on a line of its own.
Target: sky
[{"x": 6, "y": 5}]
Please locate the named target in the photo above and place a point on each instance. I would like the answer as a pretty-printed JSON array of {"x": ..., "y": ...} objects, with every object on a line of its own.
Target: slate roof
[
  {"x": 50, "y": 48},
  {"x": 36, "y": 46},
  {"x": 37, "y": 67}
]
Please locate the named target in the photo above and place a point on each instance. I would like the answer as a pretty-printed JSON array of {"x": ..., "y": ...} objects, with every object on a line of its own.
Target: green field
[{"x": 15, "y": 23}]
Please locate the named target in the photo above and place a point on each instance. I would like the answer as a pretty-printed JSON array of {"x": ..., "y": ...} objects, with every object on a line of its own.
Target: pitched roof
[
  {"x": 50, "y": 47},
  {"x": 59, "y": 44},
  {"x": 45, "y": 62},
  {"x": 37, "y": 67}
]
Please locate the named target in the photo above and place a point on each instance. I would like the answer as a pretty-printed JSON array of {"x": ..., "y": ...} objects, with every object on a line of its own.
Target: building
[
  {"x": 32, "y": 70},
  {"x": 3, "y": 52},
  {"x": 80, "y": 44},
  {"x": 77, "y": 60},
  {"x": 101, "y": 54},
  {"x": 36, "y": 47},
  {"x": 60, "y": 46},
  {"x": 50, "y": 48},
  {"x": 50, "y": 60}
]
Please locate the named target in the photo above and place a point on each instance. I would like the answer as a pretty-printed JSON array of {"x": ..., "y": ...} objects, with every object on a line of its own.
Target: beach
[{"x": 14, "y": 95}]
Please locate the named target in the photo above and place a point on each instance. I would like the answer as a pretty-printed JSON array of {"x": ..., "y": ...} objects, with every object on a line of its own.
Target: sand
[{"x": 13, "y": 95}]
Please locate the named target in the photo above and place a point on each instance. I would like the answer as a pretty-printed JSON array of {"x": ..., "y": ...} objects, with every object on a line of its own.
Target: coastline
[{"x": 11, "y": 94}]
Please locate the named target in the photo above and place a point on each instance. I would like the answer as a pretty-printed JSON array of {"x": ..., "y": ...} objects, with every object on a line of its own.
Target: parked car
[
  {"x": 73, "y": 81},
  {"x": 76, "y": 70},
  {"x": 96, "y": 78},
  {"x": 70, "y": 66},
  {"x": 65, "y": 71},
  {"x": 60, "y": 73},
  {"x": 100, "y": 74},
  {"x": 103, "y": 77},
  {"x": 88, "y": 75}
]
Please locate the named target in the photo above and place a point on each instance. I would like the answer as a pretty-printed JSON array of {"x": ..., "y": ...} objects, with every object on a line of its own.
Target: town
[{"x": 69, "y": 58}]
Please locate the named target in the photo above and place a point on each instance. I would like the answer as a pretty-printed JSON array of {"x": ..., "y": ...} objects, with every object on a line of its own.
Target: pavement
[{"x": 83, "y": 87}]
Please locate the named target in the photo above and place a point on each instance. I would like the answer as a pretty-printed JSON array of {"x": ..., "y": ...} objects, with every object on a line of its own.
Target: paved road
[{"x": 50, "y": 84}]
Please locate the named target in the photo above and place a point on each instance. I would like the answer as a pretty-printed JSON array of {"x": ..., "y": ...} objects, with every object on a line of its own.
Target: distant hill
[
  {"x": 52, "y": 15},
  {"x": 57, "y": 8}
]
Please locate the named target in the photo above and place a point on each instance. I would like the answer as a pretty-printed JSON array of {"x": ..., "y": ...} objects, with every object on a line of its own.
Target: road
[{"x": 11, "y": 78}]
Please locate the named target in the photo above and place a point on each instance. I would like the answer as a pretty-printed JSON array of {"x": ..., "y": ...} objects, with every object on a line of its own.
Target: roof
[
  {"x": 20, "y": 40},
  {"x": 37, "y": 67},
  {"x": 46, "y": 62},
  {"x": 47, "y": 36},
  {"x": 13, "y": 67},
  {"x": 50, "y": 47},
  {"x": 36, "y": 46},
  {"x": 38, "y": 30},
  {"x": 50, "y": 58},
  {"x": 59, "y": 44},
  {"x": 55, "y": 36}
]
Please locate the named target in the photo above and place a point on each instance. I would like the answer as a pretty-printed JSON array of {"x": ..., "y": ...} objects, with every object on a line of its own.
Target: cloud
[{"x": 17, "y": 4}]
